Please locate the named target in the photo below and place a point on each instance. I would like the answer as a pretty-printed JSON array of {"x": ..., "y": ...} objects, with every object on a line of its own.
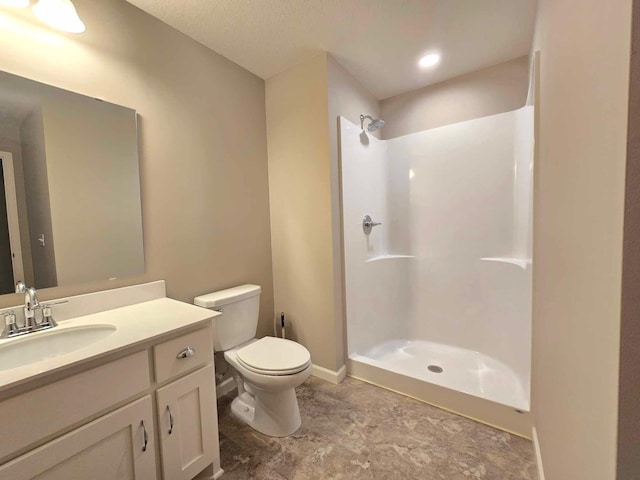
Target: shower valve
[{"x": 368, "y": 224}]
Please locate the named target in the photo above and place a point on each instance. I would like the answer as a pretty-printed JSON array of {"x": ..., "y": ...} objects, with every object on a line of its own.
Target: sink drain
[{"x": 435, "y": 369}]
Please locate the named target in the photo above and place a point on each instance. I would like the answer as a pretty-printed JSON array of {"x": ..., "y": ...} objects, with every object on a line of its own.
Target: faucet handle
[
  {"x": 11, "y": 327},
  {"x": 47, "y": 313}
]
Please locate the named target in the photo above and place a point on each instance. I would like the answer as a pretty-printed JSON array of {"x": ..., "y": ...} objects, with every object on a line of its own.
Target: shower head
[{"x": 375, "y": 124}]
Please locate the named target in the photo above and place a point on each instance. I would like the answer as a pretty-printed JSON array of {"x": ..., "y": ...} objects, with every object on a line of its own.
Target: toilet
[{"x": 267, "y": 370}]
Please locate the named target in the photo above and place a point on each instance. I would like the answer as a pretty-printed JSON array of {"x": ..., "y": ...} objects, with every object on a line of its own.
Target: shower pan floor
[{"x": 452, "y": 367}]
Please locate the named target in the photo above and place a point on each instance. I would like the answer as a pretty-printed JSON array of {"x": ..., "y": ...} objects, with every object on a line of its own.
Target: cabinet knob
[{"x": 187, "y": 352}]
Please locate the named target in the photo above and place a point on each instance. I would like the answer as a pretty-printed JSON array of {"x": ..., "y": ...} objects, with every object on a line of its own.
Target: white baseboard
[
  {"x": 536, "y": 446},
  {"x": 218, "y": 474},
  {"x": 329, "y": 375},
  {"x": 225, "y": 387}
]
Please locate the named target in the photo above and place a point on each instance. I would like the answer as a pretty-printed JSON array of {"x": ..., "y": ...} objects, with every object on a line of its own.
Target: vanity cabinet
[{"x": 145, "y": 414}]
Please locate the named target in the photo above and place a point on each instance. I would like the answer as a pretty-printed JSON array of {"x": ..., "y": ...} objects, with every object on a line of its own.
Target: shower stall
[{"x": 437, "y": 253}]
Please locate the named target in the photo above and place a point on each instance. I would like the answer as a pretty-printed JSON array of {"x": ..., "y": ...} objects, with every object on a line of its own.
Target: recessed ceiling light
[{"x": 429, "y": 60}]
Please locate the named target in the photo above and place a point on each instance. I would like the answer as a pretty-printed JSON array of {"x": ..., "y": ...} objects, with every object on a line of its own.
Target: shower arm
[{"x": 363, "y": 118}]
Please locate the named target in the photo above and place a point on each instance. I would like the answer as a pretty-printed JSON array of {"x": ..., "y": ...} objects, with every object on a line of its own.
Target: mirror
[{"x": 69, "y": 187}]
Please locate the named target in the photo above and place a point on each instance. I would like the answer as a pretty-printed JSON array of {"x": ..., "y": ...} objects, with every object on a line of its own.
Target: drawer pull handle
[
  {"x": 145, "y": 437},
  {"x": 187, "y": 352},
  {"x": 170, "y": 420}
]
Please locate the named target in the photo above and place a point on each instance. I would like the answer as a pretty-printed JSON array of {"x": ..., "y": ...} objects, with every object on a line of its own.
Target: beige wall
[
  {"x": 629, "y": 392},
  {"x": 202, "y": 143},
  {"x": 300, "y": 200},
  {"x": 578, "y": 224},
  {"x": 303, "y": 105},
  {"x": 347, "y": 97},
  {"x": 489, "y": 91}
]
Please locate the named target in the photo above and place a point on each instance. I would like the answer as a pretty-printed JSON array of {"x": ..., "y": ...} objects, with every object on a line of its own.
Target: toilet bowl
[{"x": 267, "y": 370}]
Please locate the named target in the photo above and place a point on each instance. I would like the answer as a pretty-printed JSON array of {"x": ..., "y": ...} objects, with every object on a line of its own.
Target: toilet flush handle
[{"x": 187, "y": 352}]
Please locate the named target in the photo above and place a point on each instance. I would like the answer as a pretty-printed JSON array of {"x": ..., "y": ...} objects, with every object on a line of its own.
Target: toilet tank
[{"x": 239, "y": 320}]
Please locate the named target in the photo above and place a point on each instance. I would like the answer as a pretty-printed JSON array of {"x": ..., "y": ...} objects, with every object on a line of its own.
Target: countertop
[{"x": 135, "y": 324}]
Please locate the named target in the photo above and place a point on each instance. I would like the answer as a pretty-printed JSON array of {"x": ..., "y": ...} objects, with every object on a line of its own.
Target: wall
[
  {"x": 629, "y": 393},
  {"x": 300, "y": 201},
  {"x": 485, "y": 92},
  {"x": 202, "y": 147},
  {"x": 578, "y": 224},
  {"x": 346, "y": 97},
  {"x": 34, "y": 164},
  {"x": 303, "y": 106}
]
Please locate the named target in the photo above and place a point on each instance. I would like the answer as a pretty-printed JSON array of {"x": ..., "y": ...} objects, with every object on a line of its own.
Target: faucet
[{"x": 30, "y": 304}]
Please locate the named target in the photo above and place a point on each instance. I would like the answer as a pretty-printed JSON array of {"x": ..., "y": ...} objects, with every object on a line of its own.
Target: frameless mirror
[{"x": 69, "y": 187}]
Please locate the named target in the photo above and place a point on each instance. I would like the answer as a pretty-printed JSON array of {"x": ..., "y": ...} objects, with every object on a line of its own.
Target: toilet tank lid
[{"x": 230, "y": 295}]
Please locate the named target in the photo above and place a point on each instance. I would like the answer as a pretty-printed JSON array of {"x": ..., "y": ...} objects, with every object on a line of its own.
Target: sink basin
[{"x": 40, "y": 346}]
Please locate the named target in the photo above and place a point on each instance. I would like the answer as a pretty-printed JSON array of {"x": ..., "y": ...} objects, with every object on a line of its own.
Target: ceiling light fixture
[
  {"x": 60, "y": 14},
  {"x": 15, "y": 3},
  {"x": 429, "y": 60}
]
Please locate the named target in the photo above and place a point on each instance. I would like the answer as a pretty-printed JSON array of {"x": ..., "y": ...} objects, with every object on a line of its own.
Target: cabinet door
[
  {"x": 109, "y": 448},
  {"x": 188, "y": 425}
]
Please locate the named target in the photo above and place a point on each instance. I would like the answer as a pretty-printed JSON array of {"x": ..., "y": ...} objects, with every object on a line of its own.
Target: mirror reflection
[{"x": 69, "y": 187}]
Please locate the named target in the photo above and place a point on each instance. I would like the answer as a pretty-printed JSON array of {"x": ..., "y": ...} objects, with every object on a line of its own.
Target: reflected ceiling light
[
  {"x": 429, "y": 60},
  {"x": 15, "y": 3},
  {"x": 60, "y": 14}
]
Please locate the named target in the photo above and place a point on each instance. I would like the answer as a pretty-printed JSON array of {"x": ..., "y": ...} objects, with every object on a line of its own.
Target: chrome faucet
[{"x": 30, "y": 304}]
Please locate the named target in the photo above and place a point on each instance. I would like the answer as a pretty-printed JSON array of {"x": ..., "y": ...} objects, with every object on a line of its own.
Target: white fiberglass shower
[{"x": 441, "y": 291}]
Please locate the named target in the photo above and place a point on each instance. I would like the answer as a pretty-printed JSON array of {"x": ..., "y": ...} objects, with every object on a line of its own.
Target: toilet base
[{"x": 273, "y": 413}]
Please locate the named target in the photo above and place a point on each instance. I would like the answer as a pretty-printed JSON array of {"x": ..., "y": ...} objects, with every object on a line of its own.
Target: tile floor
[{"x": 358, "y": 431}]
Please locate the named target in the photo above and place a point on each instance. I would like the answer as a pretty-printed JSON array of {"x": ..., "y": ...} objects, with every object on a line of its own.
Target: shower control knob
[{"x": 368, "y": 224}]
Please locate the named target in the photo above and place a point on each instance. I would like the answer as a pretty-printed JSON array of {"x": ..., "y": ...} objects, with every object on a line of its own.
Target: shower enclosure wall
[{"x": 440, "y": 292}]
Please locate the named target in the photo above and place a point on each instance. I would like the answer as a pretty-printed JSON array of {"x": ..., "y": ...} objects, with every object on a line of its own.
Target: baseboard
[
  {"x": 225, "y": 387},
  {"x": 211, "y": 472},
  {"x": 329, "y": 375},
  {"x": 536, "y": 446},
  {"x": 218, "y": 474}
]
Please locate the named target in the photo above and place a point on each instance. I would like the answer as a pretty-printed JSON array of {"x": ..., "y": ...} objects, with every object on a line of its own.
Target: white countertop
[{"x": 135, "y": 324}]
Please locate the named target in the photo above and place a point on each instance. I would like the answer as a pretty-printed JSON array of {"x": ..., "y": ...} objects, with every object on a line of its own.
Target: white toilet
[{"x": 267, "y": 370}]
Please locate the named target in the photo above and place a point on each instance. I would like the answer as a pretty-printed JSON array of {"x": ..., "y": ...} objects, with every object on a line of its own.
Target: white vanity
[{"x": 122, "y": 388}]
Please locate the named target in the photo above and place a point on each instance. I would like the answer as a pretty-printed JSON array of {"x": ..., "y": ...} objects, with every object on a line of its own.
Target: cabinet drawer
[
  {"x": 187, "y": 352},
  {"x": 37, "y": 414}
]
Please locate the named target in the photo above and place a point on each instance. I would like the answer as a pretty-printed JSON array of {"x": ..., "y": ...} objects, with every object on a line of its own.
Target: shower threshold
[{"x": 423, "y": 365}]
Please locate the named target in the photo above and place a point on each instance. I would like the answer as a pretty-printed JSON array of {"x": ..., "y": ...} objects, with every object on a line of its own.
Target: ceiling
[{"x": 377, "y": 41}]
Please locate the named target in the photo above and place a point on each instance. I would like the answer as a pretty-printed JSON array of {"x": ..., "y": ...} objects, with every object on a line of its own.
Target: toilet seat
[{"x": 274, "y": 356}]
